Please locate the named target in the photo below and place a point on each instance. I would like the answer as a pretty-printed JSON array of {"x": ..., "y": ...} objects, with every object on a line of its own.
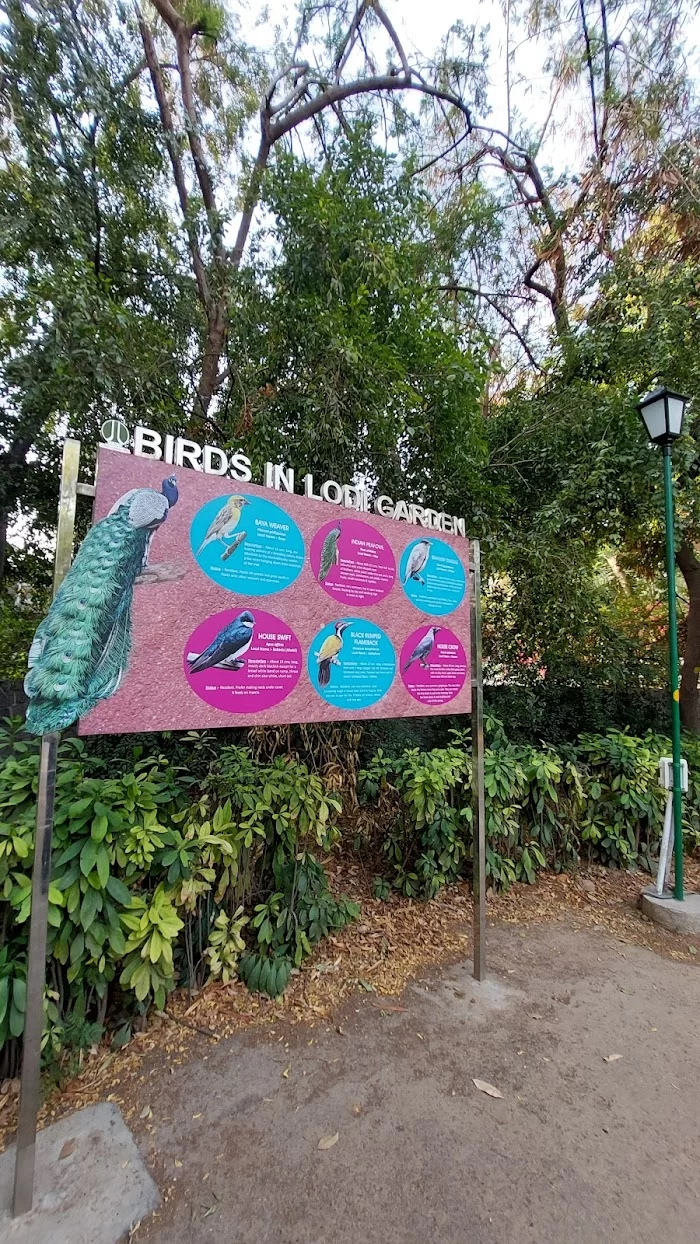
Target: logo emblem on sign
[{"x": 115, "y": 435}]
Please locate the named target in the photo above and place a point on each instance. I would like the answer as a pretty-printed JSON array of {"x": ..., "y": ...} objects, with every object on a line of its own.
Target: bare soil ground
[{"x": 378, "y": 1042}]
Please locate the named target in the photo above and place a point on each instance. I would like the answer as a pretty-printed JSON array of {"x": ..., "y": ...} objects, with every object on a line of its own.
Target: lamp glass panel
[
  {"x": 675, "y": 415},
  {"x": 654, "y": 416}
]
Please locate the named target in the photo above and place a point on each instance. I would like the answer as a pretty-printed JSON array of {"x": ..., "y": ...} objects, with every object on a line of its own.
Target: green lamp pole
[{"x": 662, "y": 413}]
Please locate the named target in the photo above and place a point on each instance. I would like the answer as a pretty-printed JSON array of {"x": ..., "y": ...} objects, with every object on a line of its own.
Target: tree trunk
[
  {"x": 689, "y": 567},
  {"x": 214, "y": 345}
]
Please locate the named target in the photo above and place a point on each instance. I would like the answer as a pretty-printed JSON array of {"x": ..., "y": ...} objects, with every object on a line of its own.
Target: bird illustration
[
  {"x": 225, "y": 521},
  {"x": 417, "y": 558},
  {"x": 423, "y": 649},
  {"x": 227, "y": 648},
  {"x": 80, "y": 651},
  {"x": 328, "y": 654},
  {"x": 330, "y": 553},
  {"x": 235, "y": 544}
]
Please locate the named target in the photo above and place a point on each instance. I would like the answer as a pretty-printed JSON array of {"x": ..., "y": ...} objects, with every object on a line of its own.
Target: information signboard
[{"x": 259, "y": 606}]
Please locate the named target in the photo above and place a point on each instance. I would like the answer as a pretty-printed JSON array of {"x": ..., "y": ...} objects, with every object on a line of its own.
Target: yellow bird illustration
[
  {"x": 328, "y": 654},
  {"x": 225, "y": 521}
]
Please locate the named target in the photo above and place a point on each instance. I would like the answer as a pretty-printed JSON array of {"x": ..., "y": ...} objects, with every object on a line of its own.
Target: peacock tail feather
[
  {"x": 328, "y": 554},
  {"x": 81, "y": 649}
]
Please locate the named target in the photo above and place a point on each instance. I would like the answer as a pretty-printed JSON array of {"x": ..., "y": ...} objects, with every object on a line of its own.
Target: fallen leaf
[
  {"x": 692, "y": 950},
  {"x": 420, "y": 1036},
  {"x": 178, "y": 1162},
  {"x": 612, "y": 1058},
  {"x": 535, "y": 1017},
  {"x": 285, "y": 1073},
  {"x": 67, "y": 1148},
  {"x": 146, "y": 1113},
  {"x": 197, "y": 1116},
  {"x": 327, "y": 1142},
  {"x": 484, "y": 1087}
]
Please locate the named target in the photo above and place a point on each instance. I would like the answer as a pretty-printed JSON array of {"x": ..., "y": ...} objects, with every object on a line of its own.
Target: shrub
[
  {"x": 159, "y": 877},
  {"x": 598, "y": 797}
]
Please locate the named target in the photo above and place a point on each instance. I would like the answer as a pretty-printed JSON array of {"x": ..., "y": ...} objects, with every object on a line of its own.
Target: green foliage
[
  {"x": 341, "y": 343},
  {"x": 599, "y": 797},
  {"x": 159, "y": 878}
]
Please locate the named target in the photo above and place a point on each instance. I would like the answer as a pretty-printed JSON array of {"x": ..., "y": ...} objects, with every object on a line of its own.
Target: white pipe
[{"x": 665, "y": 844}]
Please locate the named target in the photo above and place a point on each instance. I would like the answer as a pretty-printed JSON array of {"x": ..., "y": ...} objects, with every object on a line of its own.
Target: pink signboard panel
[{"x": 265, "y": 607}]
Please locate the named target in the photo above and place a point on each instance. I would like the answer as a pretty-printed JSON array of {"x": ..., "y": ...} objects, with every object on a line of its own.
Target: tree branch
[
  {"x": 166, "y": 120},
  {"x": 184, "y": 34}
]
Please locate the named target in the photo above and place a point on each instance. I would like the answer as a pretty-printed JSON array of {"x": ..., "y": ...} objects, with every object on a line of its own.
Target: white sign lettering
[{"x": 179, "y": 451}]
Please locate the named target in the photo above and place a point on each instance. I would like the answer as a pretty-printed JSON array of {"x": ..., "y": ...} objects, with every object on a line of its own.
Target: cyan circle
[
  {"x": 439, "y": 586},
  {"x": 363, "y": 670},
  {"x": 267, "y": 560}
]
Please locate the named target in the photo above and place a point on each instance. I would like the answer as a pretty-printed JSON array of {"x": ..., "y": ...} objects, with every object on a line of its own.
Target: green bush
[
  {"x": 598, "y": 798},
  {"x": 159, "y": 877}
]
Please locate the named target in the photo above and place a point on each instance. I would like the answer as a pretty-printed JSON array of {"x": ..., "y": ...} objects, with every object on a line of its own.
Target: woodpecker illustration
[
  {"x": 328, "y": 654},
  {"x": 225, "y": 521},
  {"x": 416, "y": 561},
  {"x": 423, "y": 649}
]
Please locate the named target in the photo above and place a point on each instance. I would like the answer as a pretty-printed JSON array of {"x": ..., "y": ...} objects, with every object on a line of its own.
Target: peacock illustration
[
  {"x": 80, "y": 651},
  {"x": 330, "y": 553}
]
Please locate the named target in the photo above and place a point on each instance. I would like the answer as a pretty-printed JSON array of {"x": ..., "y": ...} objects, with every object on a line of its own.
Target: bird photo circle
[
  {"x": 242, "y": 661},
  {"x": 247, "y": 544},
  {"x": 351, "y": 663},
  {"x": 433, "y": 665},
  {"x": 353, "y": 562},
  {"x": 432, "y": 576}
]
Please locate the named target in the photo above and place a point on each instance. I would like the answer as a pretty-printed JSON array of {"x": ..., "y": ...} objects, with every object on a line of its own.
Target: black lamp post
[{"x": 662, "y": 412}]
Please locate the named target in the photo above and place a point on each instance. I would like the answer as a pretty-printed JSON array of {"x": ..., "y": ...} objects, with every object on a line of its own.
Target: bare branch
[
  {"x": 347, "y": 43},
  {"x": 386, "y": 23},
  {"x": 166, "y": 120}
]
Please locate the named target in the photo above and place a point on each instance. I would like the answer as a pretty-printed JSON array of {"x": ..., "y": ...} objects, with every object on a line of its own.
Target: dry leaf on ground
[
  {"x": 327, "y": 1142},
  {"x": 612, "y": 1058},
  {"x": 66, "y": 1149},
  {"x": 484, "y": 1087}
]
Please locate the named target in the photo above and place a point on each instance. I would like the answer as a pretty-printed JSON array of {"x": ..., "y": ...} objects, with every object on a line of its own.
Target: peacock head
[
  {"x": 247, "y": 619},
  {"x": 169, "y": 489}
]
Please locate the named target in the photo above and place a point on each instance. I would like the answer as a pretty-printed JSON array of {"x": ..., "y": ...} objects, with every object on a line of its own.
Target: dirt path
[{"x": 579, "y": 1151}]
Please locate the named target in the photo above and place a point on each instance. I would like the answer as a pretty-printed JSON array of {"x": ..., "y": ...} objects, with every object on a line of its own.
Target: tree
[
  {"x": 329, "y": 66},
  {"x": 95, "y": 307},
  {"x": 343, "y": 358}
]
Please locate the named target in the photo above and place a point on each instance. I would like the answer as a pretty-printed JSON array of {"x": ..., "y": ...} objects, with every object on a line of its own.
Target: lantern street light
[{"x": 662, "y": 413}]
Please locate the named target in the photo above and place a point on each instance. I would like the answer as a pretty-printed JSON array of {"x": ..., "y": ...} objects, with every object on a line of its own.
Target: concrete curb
[
  {"x": 670, "y": 913},
  {"x": 91, "y": 1184}
]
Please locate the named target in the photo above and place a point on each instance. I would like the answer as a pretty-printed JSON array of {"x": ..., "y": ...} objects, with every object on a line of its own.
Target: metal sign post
[
  {"x": 41, "y": 871},
  {"x": 479, "y": 805}
]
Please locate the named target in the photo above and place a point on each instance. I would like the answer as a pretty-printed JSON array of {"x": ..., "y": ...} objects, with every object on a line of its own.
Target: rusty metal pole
[
  {"x": 478, "y": 797},
  {"x": 30, "y": 1091}
]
